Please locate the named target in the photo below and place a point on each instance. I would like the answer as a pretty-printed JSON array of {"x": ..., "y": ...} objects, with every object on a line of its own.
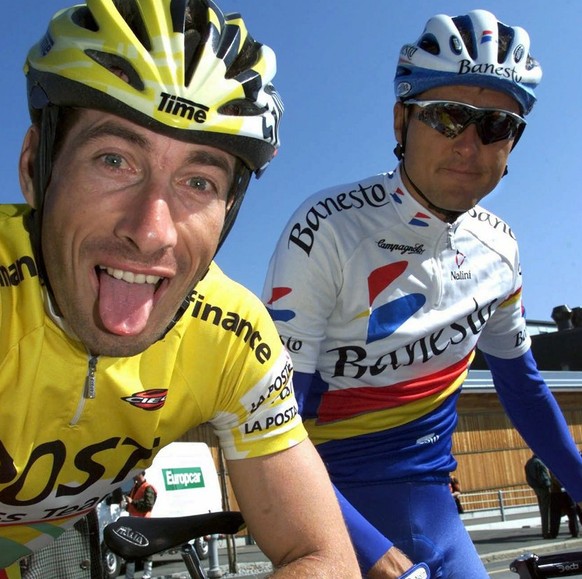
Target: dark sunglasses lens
[
  {"x": 496, "y": 126},
  {"x": 447, "y": 119},
  {"x": 451, "y": 119},
  {"x": 458, "y": 115}
]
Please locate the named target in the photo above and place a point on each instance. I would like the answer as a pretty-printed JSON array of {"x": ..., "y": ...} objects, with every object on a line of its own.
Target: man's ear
[
  {"x": 399, "y": 111},
  {"x": 27, "y": 163}
]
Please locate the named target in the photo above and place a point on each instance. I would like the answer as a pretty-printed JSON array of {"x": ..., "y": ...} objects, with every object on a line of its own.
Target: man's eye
[
  {"x": 198, "y": 183},
  {"x": 113, "y": 160}
]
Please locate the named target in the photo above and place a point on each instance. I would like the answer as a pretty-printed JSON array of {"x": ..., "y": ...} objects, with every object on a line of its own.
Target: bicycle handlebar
[{"x": 138, "y": 537}]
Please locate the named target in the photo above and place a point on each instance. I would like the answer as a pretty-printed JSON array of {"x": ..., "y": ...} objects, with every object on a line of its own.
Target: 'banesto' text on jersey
[{"x": 384, "y": 304}]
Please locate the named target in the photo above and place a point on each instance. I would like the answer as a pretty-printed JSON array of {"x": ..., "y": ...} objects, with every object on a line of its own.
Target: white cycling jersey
[{"x": 384, "y": 304}]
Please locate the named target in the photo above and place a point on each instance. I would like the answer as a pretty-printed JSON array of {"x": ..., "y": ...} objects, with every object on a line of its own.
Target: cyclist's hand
[{"x": 396, "y": 565}]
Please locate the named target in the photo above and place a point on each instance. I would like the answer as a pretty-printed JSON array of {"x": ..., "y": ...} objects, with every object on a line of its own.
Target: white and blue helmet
[{"x": 474, "y": 49}]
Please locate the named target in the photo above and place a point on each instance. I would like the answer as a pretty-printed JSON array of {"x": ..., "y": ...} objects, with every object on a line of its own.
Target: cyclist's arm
[
  {"x": 289, "y": 506},
  {"x": 535, "y": 413},
  {"x": 377, "y": 557}
]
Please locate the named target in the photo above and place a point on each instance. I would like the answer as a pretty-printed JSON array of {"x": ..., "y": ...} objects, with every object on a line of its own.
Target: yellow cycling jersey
[{"x": 75, "y": 427}]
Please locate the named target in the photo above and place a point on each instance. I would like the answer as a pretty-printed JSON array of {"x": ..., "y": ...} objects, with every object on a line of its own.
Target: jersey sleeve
[
  {"x": 534, "y": 412},
  {"x": 301, "y": 287},
  {"x": 370, "y": 544},
  {"x": 265, "y": 418},
  {"x": 255, "y": 413},
  {"x": 505, "y": 335}
]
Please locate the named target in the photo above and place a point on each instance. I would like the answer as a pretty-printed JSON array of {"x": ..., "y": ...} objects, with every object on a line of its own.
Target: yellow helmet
[{"x": 178, "y": 67}]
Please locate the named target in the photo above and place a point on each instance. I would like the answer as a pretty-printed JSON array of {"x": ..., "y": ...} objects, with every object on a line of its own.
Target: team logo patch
[
  {"x": 385, "y": 319},
  {"x": 152, "y": 399},
  {"x": 420, "y": 220},
  {"x": 397, "y": 196},
  {"x": 280, "y": 315},
  {"x": 460, "y": 258},
  {"x": 486, "y": 36}
]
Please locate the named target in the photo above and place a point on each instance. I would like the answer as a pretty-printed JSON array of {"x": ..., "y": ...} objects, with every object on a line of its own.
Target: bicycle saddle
[{"x": 137, "y": 537}]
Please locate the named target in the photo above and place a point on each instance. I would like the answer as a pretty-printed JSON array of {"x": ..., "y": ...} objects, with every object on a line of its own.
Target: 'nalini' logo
[{"x": 459, "y": 258}]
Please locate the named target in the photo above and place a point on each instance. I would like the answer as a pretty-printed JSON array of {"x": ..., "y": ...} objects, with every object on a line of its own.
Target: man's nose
[
  {"x": 149, "y": 223},
  {"x": 468, "y": 140}
]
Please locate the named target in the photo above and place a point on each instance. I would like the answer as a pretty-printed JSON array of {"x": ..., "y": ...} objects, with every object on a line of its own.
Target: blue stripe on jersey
[{"x": 419, "y": 450}]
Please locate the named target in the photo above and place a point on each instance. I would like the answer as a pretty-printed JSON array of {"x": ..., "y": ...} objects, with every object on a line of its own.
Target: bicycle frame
[
  {"x": 532, "y": 566},
  {"x": 192, "y": 562}
]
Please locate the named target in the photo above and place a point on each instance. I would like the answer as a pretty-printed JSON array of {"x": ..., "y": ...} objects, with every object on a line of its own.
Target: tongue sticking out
[{"x": 124, "y": 307}]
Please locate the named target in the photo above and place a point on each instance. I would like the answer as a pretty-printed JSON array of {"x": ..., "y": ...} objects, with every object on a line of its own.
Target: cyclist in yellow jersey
[{"x": 119, "y": 334}]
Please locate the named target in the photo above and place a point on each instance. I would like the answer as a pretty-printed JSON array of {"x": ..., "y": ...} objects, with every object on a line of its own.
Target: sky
[{"x": 336, "y": 62}]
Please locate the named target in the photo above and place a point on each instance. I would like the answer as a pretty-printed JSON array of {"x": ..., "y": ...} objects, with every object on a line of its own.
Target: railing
[{"x": 498, "y": 501}]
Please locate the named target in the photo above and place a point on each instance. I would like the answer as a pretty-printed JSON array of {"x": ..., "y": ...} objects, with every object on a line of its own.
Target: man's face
[
  {"x": 131, "y": 221},
  {"x": 457, "y": 173}
]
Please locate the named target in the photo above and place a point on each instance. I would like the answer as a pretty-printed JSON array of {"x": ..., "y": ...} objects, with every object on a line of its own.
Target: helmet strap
[
  {"x": 399, "y": 151},
  {"x": 237, "y": 194},
  {"x": 49, "y": 116},
  {"x": 449, "y": 215},
  {"x": 400, "y": 147}
]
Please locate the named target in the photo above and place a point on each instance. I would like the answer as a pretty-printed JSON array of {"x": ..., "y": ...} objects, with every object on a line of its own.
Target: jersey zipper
[
  {"x": 88, "y": 389},
  {"x": 90, "y": 378},
  {"x": 446, "y": 240},
  {"x": 450, "y": 237}
]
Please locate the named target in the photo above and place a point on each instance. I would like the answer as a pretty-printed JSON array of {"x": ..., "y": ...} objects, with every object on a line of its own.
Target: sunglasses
[{"x": 451, "y": 118}]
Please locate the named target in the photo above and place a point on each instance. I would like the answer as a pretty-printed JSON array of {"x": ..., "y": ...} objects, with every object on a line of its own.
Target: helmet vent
[
  {"x": 430, "y": 44},
  {"x": 118, "y": 66},
  {"x": 83, "y": 18},
  {"x": 241, "y": 108},
  {"x": 246, "y": 59},
  {"x": 465, "y": 28},
  {"x": 506, "y": 35},
  {"x": 531, "y": 63},
  {"x": 193, "y": 21},
  {"x": 191, "y": 43},
  {"x": 186, "y": 17},
  {"x": 130, "y": 12}
]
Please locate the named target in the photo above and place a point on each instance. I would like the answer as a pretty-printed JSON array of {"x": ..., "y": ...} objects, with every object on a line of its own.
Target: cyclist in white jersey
[
  {"x": 119, "y": 333},
  {"x": 382, "y": 289}
]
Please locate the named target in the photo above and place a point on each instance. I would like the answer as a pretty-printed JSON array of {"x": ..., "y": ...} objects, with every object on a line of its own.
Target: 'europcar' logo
[
  {"x": 148, "y": 399},
  {"x": 177, "y": 479}
]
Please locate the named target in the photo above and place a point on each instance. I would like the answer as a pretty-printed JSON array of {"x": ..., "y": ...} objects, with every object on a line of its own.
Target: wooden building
[{"x": 489, "y": 451}]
